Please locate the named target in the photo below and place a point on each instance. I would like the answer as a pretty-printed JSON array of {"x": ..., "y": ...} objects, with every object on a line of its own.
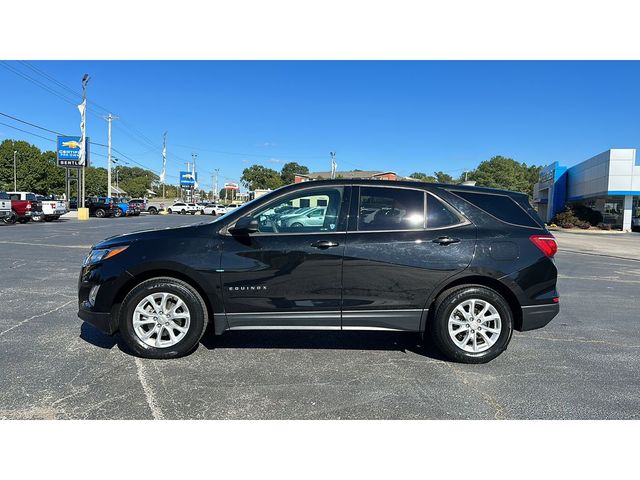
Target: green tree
[
  {"x": 257, "y": 176},
  {"x": 36, "y": 171},
  {"x": 289, "y": 170},
  {"x": 442, "y": 177},
  {"x": 95, "y": 181},
  {"x": 503, "y": 172},
  {"x": 423, "y": 177}
]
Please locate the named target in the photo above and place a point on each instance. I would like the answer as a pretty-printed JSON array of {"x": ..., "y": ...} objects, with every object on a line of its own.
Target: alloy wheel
[
  {"x": 161, "y": 319},
  {"x": 474, "y": 325}
]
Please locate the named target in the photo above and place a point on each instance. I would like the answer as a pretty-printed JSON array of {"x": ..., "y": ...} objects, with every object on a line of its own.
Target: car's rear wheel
[
  {"x": 100, "y": 213},
  {"x": 118, "y": 213},
  {"x": 471, "y": 324},
  {"x": 153, "y": 211},
  {"x": 169, "y": 211},
  {"x": 296, "y": 225},
  {"x": 183, "y": 212},
  {"x": 162, "y": 318}
]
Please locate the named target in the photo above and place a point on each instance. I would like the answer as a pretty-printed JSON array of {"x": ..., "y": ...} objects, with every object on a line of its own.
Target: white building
[{"x": 608, "y": 183}]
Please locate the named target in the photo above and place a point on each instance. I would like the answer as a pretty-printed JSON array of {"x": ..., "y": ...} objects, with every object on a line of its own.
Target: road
[{"x": 584, "y": 365}]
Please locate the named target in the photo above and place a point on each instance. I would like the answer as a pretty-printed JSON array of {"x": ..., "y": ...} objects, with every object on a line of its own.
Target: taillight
[
  {"x": 28, "y": 206},
  {"x": 546, "y": 243}
]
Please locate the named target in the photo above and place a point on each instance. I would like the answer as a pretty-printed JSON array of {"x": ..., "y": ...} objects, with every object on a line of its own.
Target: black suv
[{"x": 465, "y": 265}]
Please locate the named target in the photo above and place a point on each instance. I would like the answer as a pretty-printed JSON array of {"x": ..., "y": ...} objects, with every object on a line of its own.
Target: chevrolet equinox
[{"x": 463, "y": 265}]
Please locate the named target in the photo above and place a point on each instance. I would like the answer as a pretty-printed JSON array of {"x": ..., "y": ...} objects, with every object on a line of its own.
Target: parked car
[
  {"x": 5, "y": 206},
  {"x": 25, "y": 207},
  {"x": 184, "y": 208},
  {"x": 101, "y": 207},
  {"x": 310, "y": 218},
  {"x": 51, "y": 208},
  {"x": 214, "y": 209},
  {"x": 464, "y": 265},
  {"x": 122, "y": 207},
  {"x": 635, "y": 224},
  {"x": 73, "y": 204},
  {"x": 141, "y": 204}
]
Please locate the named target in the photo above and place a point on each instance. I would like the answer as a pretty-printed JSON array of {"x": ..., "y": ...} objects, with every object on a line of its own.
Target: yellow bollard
[{"x": 83, "y": 214}]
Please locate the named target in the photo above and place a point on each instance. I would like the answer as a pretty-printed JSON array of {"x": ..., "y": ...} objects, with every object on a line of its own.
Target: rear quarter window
[{"x": 503, "y": 207}]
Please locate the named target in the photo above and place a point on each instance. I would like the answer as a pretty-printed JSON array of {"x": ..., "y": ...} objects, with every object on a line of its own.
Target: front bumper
[
  {"x": 102, "y": 321},
  {"x": 537, "y": 316}
]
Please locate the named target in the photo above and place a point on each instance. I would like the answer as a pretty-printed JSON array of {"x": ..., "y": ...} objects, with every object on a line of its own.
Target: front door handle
[
  {"x": 324, "y": 244},
  {"x": 446, "y": 240}
]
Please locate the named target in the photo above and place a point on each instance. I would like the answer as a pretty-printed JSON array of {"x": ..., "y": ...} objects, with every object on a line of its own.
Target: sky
[{"x": 376, "y": 115}]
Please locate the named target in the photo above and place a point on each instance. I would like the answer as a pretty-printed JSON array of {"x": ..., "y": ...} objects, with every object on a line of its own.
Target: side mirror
[{"x": 245, "y": 226}]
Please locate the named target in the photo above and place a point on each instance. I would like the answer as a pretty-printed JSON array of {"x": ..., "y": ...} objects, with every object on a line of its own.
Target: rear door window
[
  {"x": 439, "y": 214},
  {"x": 387, "y": 208}
]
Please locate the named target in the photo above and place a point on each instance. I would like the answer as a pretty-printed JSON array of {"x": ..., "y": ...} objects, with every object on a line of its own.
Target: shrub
[
  {"x": 587, "y": 214},
  {"x": 604, "y": 226},
  {"x": 566, "y": 217}
]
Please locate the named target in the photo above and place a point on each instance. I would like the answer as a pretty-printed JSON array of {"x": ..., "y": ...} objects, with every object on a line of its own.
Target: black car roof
[{"x": 409, "y": 184}]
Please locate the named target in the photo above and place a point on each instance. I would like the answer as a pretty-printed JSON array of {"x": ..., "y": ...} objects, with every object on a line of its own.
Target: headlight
[{"x": 99, "y": 255}]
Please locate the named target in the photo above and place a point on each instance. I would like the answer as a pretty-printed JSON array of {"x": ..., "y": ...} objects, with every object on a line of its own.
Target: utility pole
[
  {"x": 15, "y": 172},
  {"x": 194, "y": 156},
  {"x": 109, "y": 118},
  {"x": 164, "y": 162},
  {"x": 216, "y": 191}
]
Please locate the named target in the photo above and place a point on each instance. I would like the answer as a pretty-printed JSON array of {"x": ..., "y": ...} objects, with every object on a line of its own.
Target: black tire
[
  {"x": 11, "y": 219},
  {"x": 23, "y": 220},
  {"x": 153, "y": 211},
  {"x": 169, "y": 211},
  {"x": 100, "y": 213},
  {"x": 189, "y": 295},
  {"x": 296, "y": 225},
  {"x": 444, "y": 306},
  {"x": 118, "y": 213},
  {"x": 183, "y": 212}
]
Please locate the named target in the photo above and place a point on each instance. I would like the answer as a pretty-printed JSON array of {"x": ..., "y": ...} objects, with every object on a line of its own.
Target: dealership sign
[
  {"x": 69, "y": 151},
  {"x": 188, "y": 179},
  {"x": 231, "y": 186}
]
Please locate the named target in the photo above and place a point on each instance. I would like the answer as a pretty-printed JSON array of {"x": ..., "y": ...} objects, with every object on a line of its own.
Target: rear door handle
[
  {"x": 446, "y": 240},
  {"x": 324, "y": 244}
]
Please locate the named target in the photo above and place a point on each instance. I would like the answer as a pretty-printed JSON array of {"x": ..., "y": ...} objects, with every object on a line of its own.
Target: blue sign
[
  {"x": 187, "y": 179},
  {"x": 69, "y": 152}
]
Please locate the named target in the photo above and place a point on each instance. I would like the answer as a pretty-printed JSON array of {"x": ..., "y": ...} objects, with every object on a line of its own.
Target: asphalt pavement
[{"x": 583, "y": 365}]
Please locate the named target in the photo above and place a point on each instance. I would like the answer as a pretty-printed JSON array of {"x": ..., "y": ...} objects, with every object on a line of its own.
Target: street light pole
[
  {"x": 109, "y": 118},
  {"x": 83, "y": 159},
  {"x": 15, "y": 172}
]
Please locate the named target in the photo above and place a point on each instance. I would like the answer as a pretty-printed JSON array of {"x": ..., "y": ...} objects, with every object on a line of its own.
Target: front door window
[{"x": 308, "y": 211}]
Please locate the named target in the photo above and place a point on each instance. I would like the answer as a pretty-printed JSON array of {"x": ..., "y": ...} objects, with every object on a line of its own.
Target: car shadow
[
  {"x": 95, "y": 337},
  {"x": 290, "y": 339}
]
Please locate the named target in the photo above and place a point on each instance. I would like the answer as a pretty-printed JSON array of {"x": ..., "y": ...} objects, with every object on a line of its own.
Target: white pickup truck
[
  {"x": 5, "y": 206},
  {"x": 51, "y": 208}
]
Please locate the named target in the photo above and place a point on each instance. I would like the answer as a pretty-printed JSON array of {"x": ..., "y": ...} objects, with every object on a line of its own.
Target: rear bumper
[{"x": 537, "y": 316}]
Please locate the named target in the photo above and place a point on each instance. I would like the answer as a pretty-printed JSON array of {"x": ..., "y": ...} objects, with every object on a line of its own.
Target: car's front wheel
[
  {"x": 471, "y": 324},
  {"x": 163, "y": 318}
]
